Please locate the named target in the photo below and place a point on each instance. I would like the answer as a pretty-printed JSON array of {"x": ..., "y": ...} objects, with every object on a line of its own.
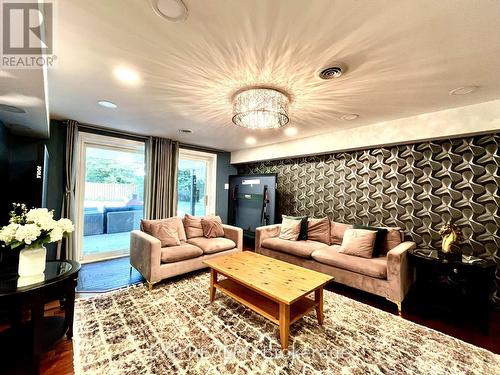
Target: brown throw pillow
[
  {"x": 290, "y": 229},
  {"x": 212, "y": 227},
  {"x": 146, "y": 226},
  {"x": 319, "y": 230},
  {"x": 192, "y": 225},
  {"x": 393, "y": 238},
  {"x": 338, "y": 230},
  {"x": 166, "y": 232},
  {"x": 358, "y": 242}
]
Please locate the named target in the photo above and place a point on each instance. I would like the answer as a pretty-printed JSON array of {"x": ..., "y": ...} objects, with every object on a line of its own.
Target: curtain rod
[
  {"x": 142, "y": 136},
  {"x": 109, "y": 130}
]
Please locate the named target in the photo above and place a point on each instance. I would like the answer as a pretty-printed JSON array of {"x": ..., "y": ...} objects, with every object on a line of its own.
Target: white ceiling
[{"x": 403, "y": 58}]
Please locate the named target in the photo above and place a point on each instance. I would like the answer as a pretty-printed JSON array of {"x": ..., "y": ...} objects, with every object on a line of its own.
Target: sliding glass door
[
  {"x": 109, "y": 195},
  {"x": 196, "y": 183}
]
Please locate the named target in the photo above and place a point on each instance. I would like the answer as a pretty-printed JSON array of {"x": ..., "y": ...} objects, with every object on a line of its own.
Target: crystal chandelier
[{"x": 260, "y": 108}]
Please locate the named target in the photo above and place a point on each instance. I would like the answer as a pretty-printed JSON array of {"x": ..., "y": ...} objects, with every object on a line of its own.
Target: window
[
  {"x": 196, "y": 183},
  {"x": 109, "y": 195}
]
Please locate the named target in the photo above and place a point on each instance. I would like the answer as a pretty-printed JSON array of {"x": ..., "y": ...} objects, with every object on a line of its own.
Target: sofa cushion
[
  {"x": 393, "y": 238},
  {"x": 303, "y": 225},
  {"x": 166, "y": 231},
  {"x": 212, "y": 227},
  {"x": 192, "y": 225},
  {"x": 373, "y": 267},
  {"x": 319, "y": 230},
  {"x": 302, "y": 249},
  {"x": 359, "y": 242},
  {"x": 379, "y": 239},
  {"x": 184, "y": 251},
  {"x": 337, "y": 231},
  {"x": 290, "y": 228},
  {"x": 212, "y": 245},
  {"x": 146, "y": 226}
]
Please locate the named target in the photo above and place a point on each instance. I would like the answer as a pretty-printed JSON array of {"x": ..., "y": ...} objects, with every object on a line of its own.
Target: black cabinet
[{"x": 459, "y": 289}]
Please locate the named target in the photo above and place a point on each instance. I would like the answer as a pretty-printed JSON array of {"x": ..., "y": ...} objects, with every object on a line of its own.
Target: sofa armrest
[
  {"x": 235, "y": 234},
  {"x": 145, "y": 255},
  {"x": 268, "y": 231},
  {"x": 399, "y": 272}
]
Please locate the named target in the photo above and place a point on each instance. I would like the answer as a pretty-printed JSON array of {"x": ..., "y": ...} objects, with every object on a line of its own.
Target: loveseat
[
  {"x": 388, "y": 275},
  {"x": 156, "y": 263}
]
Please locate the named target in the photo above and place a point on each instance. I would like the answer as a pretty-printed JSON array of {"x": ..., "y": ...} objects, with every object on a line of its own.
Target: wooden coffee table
[{"x": 274, "y": 289}]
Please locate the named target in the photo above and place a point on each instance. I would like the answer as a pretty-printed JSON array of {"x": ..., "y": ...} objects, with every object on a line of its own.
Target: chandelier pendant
[{"x": 260, "y": 108}]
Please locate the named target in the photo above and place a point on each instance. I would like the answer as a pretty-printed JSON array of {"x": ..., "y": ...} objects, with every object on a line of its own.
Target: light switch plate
[{"x": 226, "y": 186}]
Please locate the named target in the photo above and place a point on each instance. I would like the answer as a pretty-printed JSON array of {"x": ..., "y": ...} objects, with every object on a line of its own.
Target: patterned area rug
[{"x": 175, "y": 330}]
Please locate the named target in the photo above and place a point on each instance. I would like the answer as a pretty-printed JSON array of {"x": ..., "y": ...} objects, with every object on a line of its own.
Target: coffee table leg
[
  {"x": 284, "y": 325},
  {"x": 318, "y": 298},
  {"x": 213, "y": 281}
]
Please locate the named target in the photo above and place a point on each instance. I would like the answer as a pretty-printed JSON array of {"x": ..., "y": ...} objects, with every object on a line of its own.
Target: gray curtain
[
  {"x": 161, "y": 197},
  {"x": 68, "y": 204}
]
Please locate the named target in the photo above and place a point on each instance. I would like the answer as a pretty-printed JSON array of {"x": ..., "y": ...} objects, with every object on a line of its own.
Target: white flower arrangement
[{"x": 33, "y": 228}]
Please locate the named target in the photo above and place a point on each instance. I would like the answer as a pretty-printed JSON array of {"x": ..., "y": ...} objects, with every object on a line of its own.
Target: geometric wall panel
[{"x": 417, "y": 187}]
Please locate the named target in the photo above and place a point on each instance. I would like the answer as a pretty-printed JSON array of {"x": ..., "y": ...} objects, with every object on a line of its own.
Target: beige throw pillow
[
  {"x": 192, "y": 225},
  {"x": 212, "y": 227},
  {"x": 358, "y": 242},
  {"x": 319, "y": 230},
  {"x": 290, "y": 229},
  {"x": 166, "y": 232}
]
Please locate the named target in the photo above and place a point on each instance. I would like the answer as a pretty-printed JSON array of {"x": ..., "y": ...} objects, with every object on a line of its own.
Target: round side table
[{"x": 18, "y": 294}]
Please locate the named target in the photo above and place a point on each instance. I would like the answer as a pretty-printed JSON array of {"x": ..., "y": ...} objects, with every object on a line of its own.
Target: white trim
[
  {"x": 85, "y": 140},
  {"x": 211, "y": 180}
]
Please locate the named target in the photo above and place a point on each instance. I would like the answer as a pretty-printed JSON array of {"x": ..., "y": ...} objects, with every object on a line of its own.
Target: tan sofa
[
  {"x": 156, "y": 263},
  {"x": 388, "y": 275}
]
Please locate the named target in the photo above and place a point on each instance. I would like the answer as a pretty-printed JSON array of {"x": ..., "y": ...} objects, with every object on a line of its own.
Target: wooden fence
[{"x": 95, "y": 191}]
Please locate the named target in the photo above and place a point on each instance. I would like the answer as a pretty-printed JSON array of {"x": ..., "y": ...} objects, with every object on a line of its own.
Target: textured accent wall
[{"x": 417, "y": 187}]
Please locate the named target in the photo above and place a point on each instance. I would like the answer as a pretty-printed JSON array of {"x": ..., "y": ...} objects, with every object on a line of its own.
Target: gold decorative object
[{"x": 450, "y": 234}]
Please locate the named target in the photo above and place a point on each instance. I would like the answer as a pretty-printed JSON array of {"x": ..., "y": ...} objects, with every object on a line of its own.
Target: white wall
[{"x": 462, "y": 121}]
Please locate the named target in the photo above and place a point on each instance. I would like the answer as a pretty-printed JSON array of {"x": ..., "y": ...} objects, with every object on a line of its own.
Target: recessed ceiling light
[
  {"x": 171, "y": 10},
  {"x": 251, "y": 140},
  {"x": 291, "y": 131},
  {"x": 107, "y": 104},
  {"x": 127, "y": 75},
  {"x": 185, "y": 131},
  {"x": 349, "y": 117},
  {"x": 463, "y": 90},
  {"x": 11, "y": 108}
]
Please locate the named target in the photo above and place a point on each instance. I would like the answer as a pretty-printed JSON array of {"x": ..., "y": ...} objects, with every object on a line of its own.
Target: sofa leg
[
  {"x": 150, "y": 285},
  {"x": 398, "y": 304}
]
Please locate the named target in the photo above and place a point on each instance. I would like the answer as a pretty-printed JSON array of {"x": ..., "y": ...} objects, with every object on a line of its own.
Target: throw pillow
[
  {"x": 338, "y": 230},
  {"x": 146, "y": 226},
  {"x": 358, "y": 242},
  {"x": 166, "y": 232},
  {"x": 212, "y": 227},
  {"x": 379, "y": 241},
  {"x": 192, "y": 225},
  {"x": 319, "y": 230},
  {"x": 303, "y": 225},
  {"x": 393, "y": 238},
  {"x": 290, "y": 229}
]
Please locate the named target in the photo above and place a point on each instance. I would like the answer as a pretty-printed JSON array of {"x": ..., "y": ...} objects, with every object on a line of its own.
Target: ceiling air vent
[
  {"x": 331, "y": 72},
  {"x": 185, "y": 131}
]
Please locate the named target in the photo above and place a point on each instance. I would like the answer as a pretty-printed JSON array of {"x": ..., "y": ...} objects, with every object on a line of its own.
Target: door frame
[
  {"x": 211, "y": 183},
  {"x": 86, "y": 139}
]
